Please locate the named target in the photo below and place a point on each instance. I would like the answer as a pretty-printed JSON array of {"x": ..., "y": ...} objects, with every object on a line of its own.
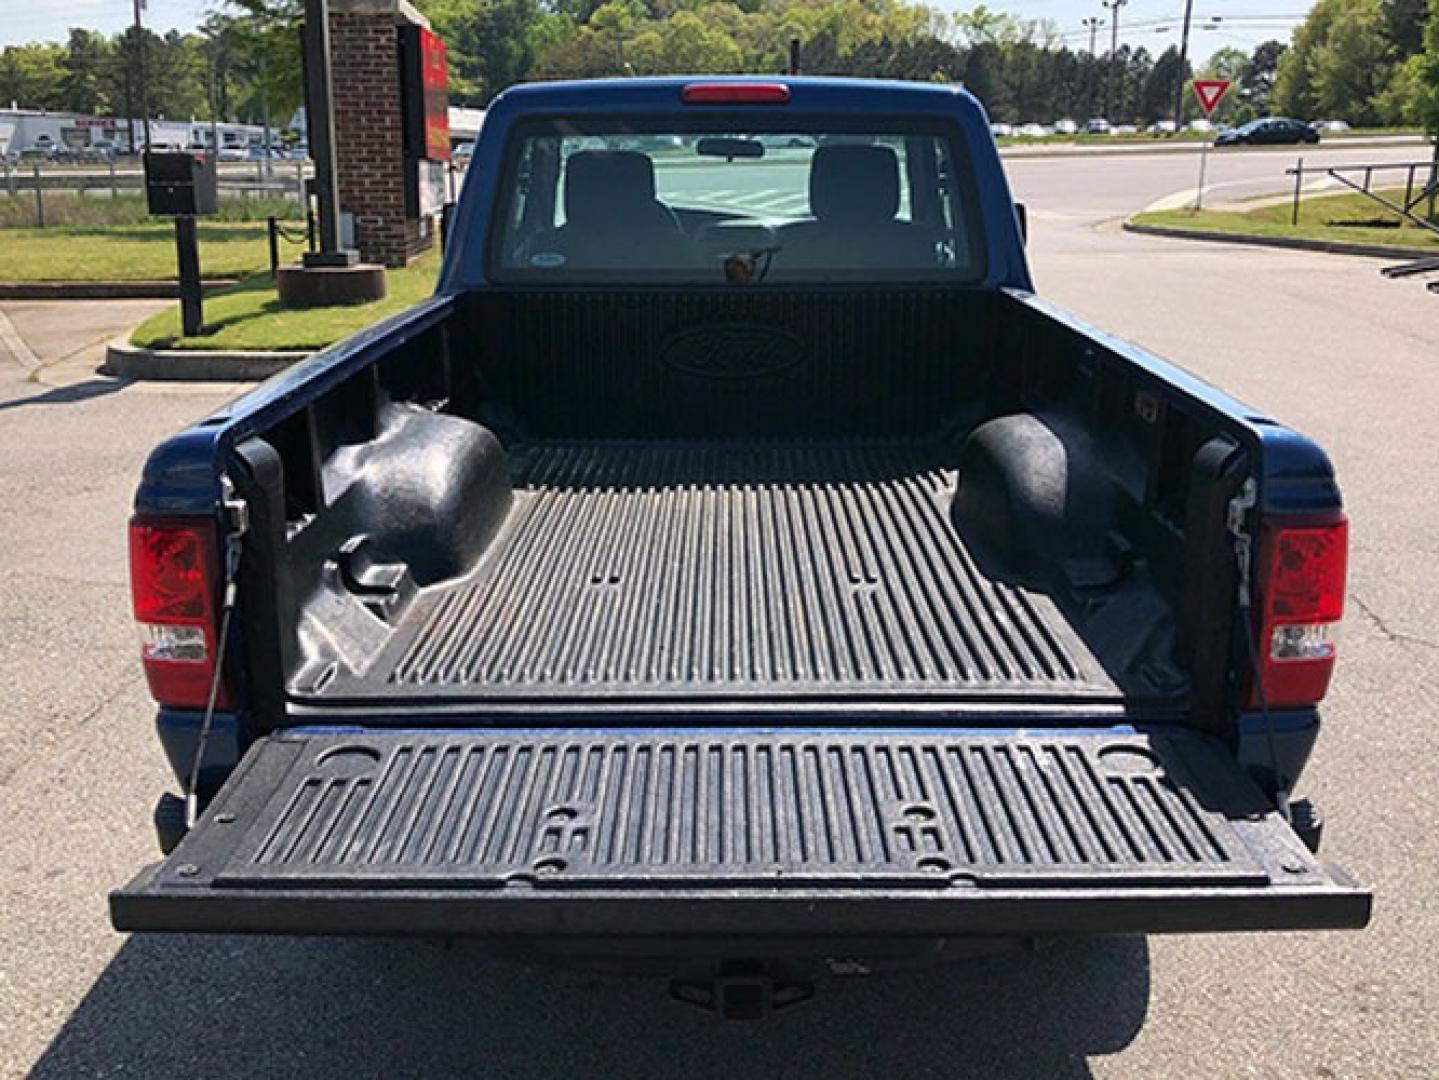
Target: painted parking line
[{"x": 766, "y": 200}]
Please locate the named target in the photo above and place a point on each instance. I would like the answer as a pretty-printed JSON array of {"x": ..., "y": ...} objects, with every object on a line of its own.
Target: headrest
[
  {"x": 601, "y": 183},
  {"x": 854, "y": 184}
]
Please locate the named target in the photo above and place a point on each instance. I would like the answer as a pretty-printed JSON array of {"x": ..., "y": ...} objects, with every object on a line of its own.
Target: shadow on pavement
[
  {"x": 69, "y": 395},
  {"x": 247, "y": 1007}
]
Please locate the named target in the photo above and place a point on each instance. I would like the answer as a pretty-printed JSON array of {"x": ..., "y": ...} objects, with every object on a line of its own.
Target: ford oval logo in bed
[{"x": 733, "y": 350}]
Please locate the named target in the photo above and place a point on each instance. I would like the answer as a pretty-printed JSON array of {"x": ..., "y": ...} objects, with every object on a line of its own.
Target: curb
[
  {"x": 1327, "y": 247},
  {"x": 177, "y": 365},
  {"x": 102, "y": 290}
]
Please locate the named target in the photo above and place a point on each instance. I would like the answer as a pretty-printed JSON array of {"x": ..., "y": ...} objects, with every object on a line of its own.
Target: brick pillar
[{"x": 369, "y": 128}]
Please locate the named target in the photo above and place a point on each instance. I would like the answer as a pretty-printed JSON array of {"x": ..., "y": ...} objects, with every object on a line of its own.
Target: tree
[
  {"x": 1156, "y": 98},
  {"x": 1429, "y": 73},
  {"x": 87, "y": 72},
  {"x": 264, "y": 35},
  {"x": 984, "y": 78},
  {"x": 982, "y": 26},
  {"x": 33, "y": 76},
  {"x": 1342, "y": 59},
  {"x": 1256, "y": 85},
  {"x": 493, "y": 43},
  {"x": 1404, "y": 26}
]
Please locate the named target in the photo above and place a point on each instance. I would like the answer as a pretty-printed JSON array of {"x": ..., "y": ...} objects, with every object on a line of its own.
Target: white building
[{"x": 27, "y": 129}]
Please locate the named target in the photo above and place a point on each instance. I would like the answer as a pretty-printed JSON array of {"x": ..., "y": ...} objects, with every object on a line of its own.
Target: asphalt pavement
[{"x": 1322, "y": 342}]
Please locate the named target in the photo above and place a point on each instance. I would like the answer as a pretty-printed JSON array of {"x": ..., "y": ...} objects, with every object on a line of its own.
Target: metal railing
[{"x": 1415, "y": 192}]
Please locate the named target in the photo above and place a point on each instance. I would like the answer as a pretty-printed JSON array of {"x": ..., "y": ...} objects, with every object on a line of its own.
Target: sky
[{"x": 1152, "y": 23}]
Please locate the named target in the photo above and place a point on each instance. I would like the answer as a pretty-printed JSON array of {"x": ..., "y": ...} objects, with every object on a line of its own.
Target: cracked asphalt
[{"x": 1322, "y": 342}]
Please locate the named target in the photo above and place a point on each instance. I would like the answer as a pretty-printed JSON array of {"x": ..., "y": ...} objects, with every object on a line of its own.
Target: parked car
[
  {"x": 676, "y": 588},
  {"x": 1270, "y": 131},
  {"x": 1163, "y": 127},
  {"x": 1066, "y": 127},
  {"x": 1035, "y": 131},
  {"x": 1202, "y": 125},
  {"x": 461, "y": 155},
  {"x": 1124, "y": 129},
  {"x": 1001, "y": 131},
  {"x": 1097, "y": 126},
  {"x": 1331, "y": 127},
  {"x": 80, "y": 155}
]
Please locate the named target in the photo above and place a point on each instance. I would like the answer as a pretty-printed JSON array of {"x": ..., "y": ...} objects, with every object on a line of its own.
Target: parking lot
[{"x": 1322, "y": 342}]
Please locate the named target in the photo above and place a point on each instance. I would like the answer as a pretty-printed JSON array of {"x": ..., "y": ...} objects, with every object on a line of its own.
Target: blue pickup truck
[{"x": 736, "y": 566}]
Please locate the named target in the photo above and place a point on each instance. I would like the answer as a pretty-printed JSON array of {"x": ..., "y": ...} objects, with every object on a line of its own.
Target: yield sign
[{"x": 1209, "y": 91}]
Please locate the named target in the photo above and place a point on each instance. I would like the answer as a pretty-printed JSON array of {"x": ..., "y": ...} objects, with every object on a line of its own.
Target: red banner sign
[{"x": 434, "y": 82}]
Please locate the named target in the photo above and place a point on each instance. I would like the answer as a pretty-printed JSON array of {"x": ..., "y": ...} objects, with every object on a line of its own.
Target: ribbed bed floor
[{"x": 815, "y": 569}]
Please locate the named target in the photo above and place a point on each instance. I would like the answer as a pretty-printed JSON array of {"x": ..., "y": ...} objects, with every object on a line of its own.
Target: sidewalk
[{"x": 59, "y": 342}]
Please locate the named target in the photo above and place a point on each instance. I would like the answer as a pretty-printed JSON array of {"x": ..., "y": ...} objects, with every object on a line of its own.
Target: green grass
[
  {"x": 134, "y": 252},
  {"x": 1351, "y": 218},
  {"x": 249, "y": 316}
]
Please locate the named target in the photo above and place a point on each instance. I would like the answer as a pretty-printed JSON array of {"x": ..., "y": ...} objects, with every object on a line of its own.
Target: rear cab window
[{"x": 722, "y": 202}]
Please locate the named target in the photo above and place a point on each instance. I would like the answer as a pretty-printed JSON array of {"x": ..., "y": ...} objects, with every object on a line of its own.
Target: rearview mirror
[{"x": 729, "y": 149}]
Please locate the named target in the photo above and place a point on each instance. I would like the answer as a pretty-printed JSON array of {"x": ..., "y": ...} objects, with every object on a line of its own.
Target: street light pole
[
  {"x": 1183, "y": 63},
  {"x": 1092, "y": 24}
]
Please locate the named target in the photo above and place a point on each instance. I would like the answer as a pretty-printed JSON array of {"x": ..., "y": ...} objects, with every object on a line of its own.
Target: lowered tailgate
[{"x": 663, "y": 833}]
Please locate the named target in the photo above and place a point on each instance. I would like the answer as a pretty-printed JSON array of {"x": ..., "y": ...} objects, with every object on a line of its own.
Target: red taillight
[
  {"x": 735, "y": 93},
  {"x": 175, "y": 583},
  {"x": 1301, "y": 574}
]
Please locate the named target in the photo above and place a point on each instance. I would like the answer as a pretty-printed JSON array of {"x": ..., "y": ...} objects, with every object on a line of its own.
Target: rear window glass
[{"x": 736, "y": 206}]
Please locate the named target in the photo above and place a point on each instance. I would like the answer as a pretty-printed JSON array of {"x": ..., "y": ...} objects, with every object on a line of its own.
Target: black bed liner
[
  {"x": 648, "y": 833},
  {"x": 731, "y": 570}
]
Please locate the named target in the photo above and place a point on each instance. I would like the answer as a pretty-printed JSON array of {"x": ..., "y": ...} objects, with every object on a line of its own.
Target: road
[{"x": 1321, "y": 341}]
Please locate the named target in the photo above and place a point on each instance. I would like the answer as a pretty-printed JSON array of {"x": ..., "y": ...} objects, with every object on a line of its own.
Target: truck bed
[{"x": 814, "y": 569}]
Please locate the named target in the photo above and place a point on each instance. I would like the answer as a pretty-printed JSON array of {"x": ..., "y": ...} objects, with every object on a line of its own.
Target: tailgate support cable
[
  {"x": 1239, "y": 508},
  {"x": 236, "y": 517}
]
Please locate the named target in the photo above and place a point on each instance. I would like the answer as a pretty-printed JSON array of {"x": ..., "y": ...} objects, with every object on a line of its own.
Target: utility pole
[
  {"x": 1183, "y": 63},
  {"x": 213, "y": 94},
  {"x": 1114, "y": 6},
  {"x": 265, "y": 117},
  {"x": 1092, "y": 24},
  {"x": 140, "y": 78}
]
